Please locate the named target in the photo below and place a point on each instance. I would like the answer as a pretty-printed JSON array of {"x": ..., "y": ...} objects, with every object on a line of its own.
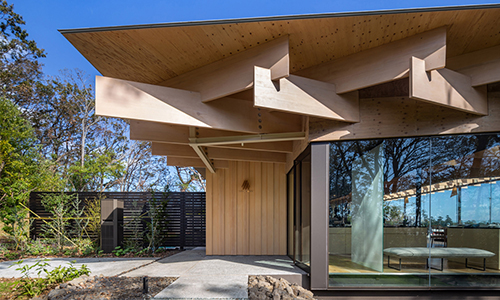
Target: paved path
[
  {"x": 98, "y": 266},
  {"x": 200, "y": 276},
  {"x": 213, "y": 277}
]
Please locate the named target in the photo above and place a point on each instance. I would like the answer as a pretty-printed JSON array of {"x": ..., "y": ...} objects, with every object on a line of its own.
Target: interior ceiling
[{"x": 153, "y": 55}]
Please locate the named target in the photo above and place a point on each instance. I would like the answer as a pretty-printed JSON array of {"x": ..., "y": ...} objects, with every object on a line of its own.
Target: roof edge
[{"x": 280, "y": 18}]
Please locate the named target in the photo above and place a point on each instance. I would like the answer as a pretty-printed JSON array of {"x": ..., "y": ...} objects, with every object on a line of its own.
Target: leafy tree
[
  {"x": 20, "y": 70},
  {"x": 143, "y": 171},
  {"x": 22, "y": 169},
  {"x": 190, "y": 179}
]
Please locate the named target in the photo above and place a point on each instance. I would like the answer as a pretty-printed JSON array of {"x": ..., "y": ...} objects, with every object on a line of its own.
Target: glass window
[
  {"x": 415, "y": 212},
  {"x": 299, "y": 225},
  {"x": 290, "y": 216}
]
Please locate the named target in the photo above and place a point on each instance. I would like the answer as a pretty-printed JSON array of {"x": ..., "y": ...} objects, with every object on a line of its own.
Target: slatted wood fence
[{"x": 183, "y": 224}]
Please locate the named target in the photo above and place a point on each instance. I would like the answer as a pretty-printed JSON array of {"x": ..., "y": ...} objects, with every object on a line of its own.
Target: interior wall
[{"x": 241, "y": 222}]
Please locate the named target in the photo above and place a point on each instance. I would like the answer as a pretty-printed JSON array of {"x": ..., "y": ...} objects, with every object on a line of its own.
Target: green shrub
[
  {"x": 40, "y": 247},
  {"x": 57, "y": 205},
  {"x": 119, "y": 251},
  {"x": 32, "y": 287}
]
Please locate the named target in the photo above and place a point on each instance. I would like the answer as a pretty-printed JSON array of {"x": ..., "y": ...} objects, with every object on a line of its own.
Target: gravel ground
[{"x": 100, "y": 288}]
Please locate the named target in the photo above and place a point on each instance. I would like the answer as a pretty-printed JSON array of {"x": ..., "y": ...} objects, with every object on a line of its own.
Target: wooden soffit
[{"x": 156, "y": 53}]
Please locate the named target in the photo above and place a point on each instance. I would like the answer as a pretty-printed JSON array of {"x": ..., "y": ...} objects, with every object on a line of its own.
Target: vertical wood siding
[{"x": 247, "y": 222}]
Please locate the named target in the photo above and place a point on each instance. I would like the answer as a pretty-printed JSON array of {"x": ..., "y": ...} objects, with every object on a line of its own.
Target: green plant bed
[
  {"x": 46, "y": 248},
  {"x": 27, "y": 286}
]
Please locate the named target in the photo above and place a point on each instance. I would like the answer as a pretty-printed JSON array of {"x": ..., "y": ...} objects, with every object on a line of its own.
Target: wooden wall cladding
[
  {"x": 402, "y": 116},
  {"x": 241, "y": 222}
]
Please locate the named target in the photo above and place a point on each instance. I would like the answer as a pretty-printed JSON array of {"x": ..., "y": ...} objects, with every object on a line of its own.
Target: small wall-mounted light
[{"x": 245, "y": 186}]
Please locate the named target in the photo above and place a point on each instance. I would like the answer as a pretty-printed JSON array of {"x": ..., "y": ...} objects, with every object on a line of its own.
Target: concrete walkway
[
  {"x": 200, "y": 276},
  {"x": 215, "y": 277},
  {"x": 98, "y": 266}
]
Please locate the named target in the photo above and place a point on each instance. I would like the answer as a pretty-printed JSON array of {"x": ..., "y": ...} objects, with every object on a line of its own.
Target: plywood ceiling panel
[{"x": 152, "y": 55}]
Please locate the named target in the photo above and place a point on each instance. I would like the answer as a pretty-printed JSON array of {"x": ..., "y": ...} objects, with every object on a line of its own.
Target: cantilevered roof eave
[{"x": 280, "y": 18}]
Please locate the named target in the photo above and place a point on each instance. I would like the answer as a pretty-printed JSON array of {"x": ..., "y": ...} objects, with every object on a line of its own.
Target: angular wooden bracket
[
  {"x": 446, "y": 88},
  {"x": 304, "y": 96},
  {"x": 235, "y": 73}
]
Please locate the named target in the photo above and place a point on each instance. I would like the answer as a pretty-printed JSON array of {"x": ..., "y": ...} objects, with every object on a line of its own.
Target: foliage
[
  {"x": 20, "y": 70},
  {"x": 78, "y": 228},
  {"x": 51, "y": 139},
  {"x": 8, "y": 287},
  {"x": 438, "y": 222},
  {"x": 392, "y": 214},
  {"x": 40, "y": 247},
  {"x": 157, "y": 220},
  {"x": 119, "y": 251},
  {"x": 35, "y": 286},
  {"x": 143, "y": 171},
  {"x": 58, "y": 205},
  {"x": 21, "y": 170},
  {"x": 190, "y": 179},
  {"x": 93, "y": 215}
]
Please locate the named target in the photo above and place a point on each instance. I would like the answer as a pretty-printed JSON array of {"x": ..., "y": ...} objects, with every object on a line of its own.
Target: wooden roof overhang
[{"x": 247, "y": 78}]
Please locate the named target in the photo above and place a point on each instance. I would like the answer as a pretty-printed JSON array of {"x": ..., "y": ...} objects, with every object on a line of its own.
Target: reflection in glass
[
  {"x": 290, "y": 216},
  {"x": 299, "y": 199},
  {"x": 305, "y": 249},
  {"x": 441, "y": 204}
]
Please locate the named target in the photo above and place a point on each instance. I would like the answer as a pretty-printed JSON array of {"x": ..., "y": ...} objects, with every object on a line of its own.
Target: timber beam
[
  {"x": 215, "y": 154},
  {"x": 482, "y": 66},
  {"x": 177, "y": 134},
  {"x": 446, "y": 88},
  {"x": 139, "y": 101},
  {"x": 248, "y": 139},
  {"x": 382, "y": 64},
  {"x": 235, "y": 73},
  {"x": 194, "y": 162}
]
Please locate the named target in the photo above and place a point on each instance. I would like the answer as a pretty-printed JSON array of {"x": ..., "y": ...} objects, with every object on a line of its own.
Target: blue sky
[{"x": 45, "y": 17}]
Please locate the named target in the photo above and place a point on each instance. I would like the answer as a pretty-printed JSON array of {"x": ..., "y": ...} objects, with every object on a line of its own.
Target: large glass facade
[{"x": 415, "y": 212}]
